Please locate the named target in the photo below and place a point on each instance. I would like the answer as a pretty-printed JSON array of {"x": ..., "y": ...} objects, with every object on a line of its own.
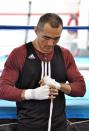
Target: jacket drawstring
[{"x": 46, "y": 71}]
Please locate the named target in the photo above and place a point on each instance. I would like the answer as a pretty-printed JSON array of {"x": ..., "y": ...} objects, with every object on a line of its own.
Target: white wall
[
  {"x": 83, "y": 36},
  {"x": 17, "y": 10}
]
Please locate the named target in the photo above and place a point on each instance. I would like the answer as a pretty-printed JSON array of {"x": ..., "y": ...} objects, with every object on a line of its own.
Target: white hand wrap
[
  {"x": 40, "y": 93},
  {"x": 50, "y": 81}
]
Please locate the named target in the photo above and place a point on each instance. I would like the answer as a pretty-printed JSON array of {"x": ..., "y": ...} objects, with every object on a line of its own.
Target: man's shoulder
[
  {"x": 64, "y": 50},
  {"x": 20, "y": 49}
]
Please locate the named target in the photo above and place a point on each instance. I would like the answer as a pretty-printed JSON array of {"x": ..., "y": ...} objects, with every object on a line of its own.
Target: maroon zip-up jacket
[{"x": 15, "y": 62}]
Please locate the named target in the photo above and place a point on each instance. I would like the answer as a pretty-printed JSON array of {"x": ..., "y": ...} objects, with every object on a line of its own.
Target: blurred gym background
[{"x": 19, "y": 13}]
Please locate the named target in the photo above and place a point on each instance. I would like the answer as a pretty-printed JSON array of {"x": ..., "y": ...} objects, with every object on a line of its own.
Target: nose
[{"x": 51, "y": 42}]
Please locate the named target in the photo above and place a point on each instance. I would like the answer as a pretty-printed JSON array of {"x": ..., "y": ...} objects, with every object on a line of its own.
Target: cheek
[{"x": 43, "y": 43}]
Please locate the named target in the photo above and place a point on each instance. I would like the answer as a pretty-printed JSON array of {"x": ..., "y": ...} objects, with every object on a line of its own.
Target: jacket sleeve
[
  {"x": 74, "y": 77},
  {"x": 8, "y": 78}
]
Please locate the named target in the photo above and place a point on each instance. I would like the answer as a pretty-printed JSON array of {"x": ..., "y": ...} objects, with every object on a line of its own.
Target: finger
[
  {"x": 54, "y": 94},
  {"x": 52, "y": 97},
  {"x": 53, "y": 90},
  {"x": 41, "y": 82}
]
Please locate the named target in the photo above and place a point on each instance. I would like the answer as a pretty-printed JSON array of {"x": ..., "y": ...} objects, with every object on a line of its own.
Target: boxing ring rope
[
  {"x": 36, "y": 14},
  {"x": 15, "y": 27}
]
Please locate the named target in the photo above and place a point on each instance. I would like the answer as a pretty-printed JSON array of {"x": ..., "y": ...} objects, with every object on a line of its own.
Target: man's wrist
[
  {"x": 23, "y": 95},
  {"x": 56, "y": 84},
  {"x": 59, "y": 87}
]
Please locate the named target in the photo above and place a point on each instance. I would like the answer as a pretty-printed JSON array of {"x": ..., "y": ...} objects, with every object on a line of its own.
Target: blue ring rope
[{"x": 13, "y": 27}]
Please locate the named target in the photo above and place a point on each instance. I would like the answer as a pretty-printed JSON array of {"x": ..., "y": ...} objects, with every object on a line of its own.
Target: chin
[{"x": 48, "y": 50}]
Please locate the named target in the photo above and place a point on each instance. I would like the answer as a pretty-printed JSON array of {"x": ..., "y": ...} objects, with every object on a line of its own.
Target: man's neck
[{"x": 36, "y": 46}]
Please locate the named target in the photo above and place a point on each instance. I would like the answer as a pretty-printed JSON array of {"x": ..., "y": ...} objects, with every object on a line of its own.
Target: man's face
[{"x": 48, "y": 38}]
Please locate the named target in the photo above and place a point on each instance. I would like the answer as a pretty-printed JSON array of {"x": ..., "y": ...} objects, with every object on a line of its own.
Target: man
[{"x": 36, "y": 73}]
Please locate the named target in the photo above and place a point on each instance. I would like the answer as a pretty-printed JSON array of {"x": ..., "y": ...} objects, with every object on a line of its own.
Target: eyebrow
[{"x": 48, "y": 37}]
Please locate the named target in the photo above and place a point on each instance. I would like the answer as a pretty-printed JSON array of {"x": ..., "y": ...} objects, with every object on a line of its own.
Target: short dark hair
[{"x": 51, "y": 18}]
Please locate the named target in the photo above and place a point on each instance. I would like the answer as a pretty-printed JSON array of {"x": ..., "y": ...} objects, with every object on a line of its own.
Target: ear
[{"x": 36, "y": 29}]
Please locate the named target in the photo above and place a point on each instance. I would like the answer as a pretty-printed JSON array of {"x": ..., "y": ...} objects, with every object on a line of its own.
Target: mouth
[{"x": 48, "y": 48}]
